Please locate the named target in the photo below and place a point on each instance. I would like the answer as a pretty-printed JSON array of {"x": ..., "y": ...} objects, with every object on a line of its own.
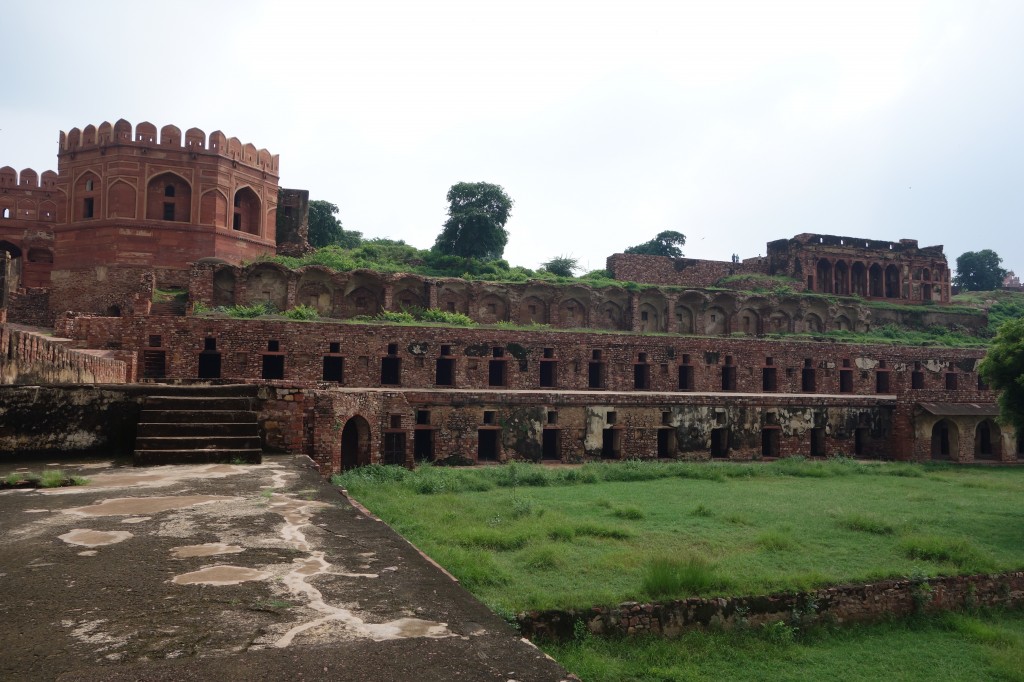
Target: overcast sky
[{"x": 735, "y": 123}]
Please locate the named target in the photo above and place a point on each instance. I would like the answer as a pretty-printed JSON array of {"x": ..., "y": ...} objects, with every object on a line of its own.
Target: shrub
[
  {"x": 247, "y": 311},
  {"x": 302, "y": 312}
]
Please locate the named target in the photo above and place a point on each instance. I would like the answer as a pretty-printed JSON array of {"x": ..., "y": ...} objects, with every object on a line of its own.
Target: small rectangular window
[
  {"x": 611, "y": 417},
  {"x": 273, "y": 346},
  {"x": 396, "y": 421},
  {"x": 335, "y": 347},
  {"x": 951, "y": 382},
  {"x": 422, "y": 417},
  {"x": 489, "y": 417},
  {"x": 552, "y": 417}
]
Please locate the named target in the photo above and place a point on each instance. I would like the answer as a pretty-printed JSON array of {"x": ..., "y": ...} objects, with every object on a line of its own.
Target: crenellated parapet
[{"x": 145, "y": 137}]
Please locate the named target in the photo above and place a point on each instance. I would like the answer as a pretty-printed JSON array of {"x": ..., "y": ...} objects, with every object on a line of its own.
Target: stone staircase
[
  {"x": 174, "y": 308},
  {"x": 198, "y": 424}
]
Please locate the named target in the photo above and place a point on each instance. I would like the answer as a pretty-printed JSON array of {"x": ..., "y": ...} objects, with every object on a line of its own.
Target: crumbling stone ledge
[{"x": 839, "y": 604}]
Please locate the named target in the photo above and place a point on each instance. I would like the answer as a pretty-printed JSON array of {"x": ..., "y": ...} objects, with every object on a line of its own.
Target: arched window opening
[
  {"x": 169, "y": 191},
  {"x": 247, "y": 212}
]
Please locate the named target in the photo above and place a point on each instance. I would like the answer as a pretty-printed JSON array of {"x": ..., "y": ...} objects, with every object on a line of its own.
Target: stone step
[
  {"x": 191, "y": 442},
  {"x": 223, "y": 456},
  {"x": 196, "y": 416},
  {"x": 168, "y": 309},
  {"x": 202, "y": 390},
  {"x": 196, "y": 403},
  {"x": 198, "y": 429}
]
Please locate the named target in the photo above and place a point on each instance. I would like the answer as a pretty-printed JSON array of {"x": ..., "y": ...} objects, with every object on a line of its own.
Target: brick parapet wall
[
  {"x": 684, "y": 272},
  {"x": 31, "y": 358},
  {"x": 871, "y": 602},
  {"x": 102, "y": 289}
]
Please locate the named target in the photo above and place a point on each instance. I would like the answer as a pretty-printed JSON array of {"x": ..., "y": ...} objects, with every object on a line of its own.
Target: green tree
[
  {"x": 563, "y": 266},
  {"x": 477, "y": 213},
  {"x": 325, "y": 229},
  {"x": 979, "y": 271},
  {"x": 667, "y": 243},
  {"x": 1003, "y": 370}
]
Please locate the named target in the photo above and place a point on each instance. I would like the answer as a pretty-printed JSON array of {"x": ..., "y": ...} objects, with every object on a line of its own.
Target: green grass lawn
[
  {"x": 952, "y": 647},
  {"x": 526, "y": 536}
]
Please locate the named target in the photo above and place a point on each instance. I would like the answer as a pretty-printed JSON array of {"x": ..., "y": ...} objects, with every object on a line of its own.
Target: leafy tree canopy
[
  {"x": 979, "y": 271},
  {"x": 667, "y": 243},
  {"x": 475, "y": 228},
  {"x": 1003, "y": 370},
  {"x": 325, "y": 228},
  {"x": 563, "y": 266}
]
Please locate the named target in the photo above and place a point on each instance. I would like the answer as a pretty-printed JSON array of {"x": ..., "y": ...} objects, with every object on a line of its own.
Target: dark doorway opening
[
  {"x": 860, "y": 441},
  {"x": 720, "y": 442},
  {"x": 548, "y": 372},
  {"x": 685, "y": 377},
  {"x": 334, "y": 368},
  {"x": 641, "y": 377},
  {"x": 423, "y": 445},
  {"x": 769, "y": 442},
  {"x": 846, "y": 381},
  {"x": 551, "y": 447},
  {"x": 595, "y": 375},
  {"x": 496, "y": 373},
  {"x": 818, "y": 442},
  {"x": 666, "y": 443},
  {"x": 487, "y": 445},
  {"x": 445, "y": 374},
  {"x": 355, "y": 443},
  {"x": 728, "y": 378},
  {"x": 882, "y": 382},
  {"x": 611, "y": 444},
  {"x": 944, "y": 440},
  {"x": 390, "y": 371},
  {"x": 273, "y": 367},
  {"x": 209, "y": 364},
  {"x": 808, "y": 380},
  {"x": 769, "y": 380}
]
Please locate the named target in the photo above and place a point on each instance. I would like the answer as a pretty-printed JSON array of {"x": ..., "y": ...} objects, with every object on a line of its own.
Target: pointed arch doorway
[{"x": 355, "y": 443}]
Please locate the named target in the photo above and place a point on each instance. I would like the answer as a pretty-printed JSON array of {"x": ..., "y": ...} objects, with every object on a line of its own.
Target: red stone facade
[{"x": 124, "y": 197}]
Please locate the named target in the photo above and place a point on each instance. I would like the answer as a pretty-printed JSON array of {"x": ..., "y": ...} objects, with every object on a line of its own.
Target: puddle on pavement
[
  {"x": 130, "y": 506},
  {"x": 94, "y": 538},
  {"x": 407, "y": 627},
  {"x": 220, "y": 575},
  {"x": 155, "y": 477},
  {"x": 208, "y": 549}
]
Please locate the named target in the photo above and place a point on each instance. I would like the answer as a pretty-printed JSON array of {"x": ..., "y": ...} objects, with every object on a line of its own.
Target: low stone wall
[
  {"x": 68, "y": 420},
  {"x": 31, "y": 358},
  {"x": 841, "y": 604}
]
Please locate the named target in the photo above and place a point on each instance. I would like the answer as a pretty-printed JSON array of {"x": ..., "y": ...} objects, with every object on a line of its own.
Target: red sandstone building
[{"x": 677, "y": 368}]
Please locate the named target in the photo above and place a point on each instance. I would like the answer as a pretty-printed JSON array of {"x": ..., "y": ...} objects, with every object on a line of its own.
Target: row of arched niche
[
  {"x": 351, "y": 294},
  {"x": 836, "y": 276}
]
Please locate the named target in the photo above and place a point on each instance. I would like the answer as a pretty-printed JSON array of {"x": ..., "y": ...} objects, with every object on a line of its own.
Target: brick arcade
[{"x": 678, "y": 367}]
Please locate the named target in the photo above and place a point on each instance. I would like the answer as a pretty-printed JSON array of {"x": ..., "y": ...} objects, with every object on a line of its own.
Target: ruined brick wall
[
  {"x": 684, "y": 272},
  {"x": 31, "y": 358},
  {"x": 868, "y": 268},
  {"x": 293, "y": 223},
  {"x": 91, "y": 331},
  {"x": 30, "y": 306},
  {"x": 115, "y": 290},
  {"x": 842, "y": 604}
]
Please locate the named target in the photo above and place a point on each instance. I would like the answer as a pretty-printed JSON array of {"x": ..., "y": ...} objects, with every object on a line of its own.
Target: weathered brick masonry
[{"x": 840, "y": 604}]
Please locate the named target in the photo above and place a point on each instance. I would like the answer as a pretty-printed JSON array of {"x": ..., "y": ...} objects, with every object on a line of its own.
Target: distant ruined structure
[{"x": 685, "y": 359}]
